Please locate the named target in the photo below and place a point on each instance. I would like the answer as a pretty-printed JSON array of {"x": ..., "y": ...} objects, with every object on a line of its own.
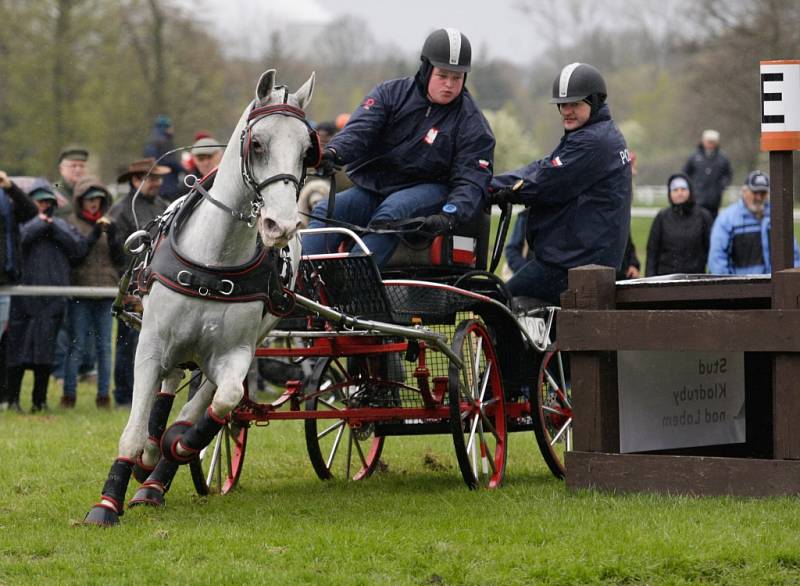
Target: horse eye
[{"x": 258, "y": 147}]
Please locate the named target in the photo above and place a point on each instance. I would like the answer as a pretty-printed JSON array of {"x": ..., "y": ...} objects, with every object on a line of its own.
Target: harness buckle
[
  {"x": 230, "y": 287},
  {"x": 203, "y": 291},
  {"x": 180, "y": 282}
]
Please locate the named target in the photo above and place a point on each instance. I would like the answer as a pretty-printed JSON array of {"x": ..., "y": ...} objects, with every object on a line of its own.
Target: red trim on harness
[{"x": 214, "y": 416}]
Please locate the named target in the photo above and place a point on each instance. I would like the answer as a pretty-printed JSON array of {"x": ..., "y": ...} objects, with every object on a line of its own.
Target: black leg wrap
[
  {"x": 159, "y": 415},
  {"x": 164, "y": 473},
  {"x": 114, "y": 491},
  {"x": 202, "y": 432}
]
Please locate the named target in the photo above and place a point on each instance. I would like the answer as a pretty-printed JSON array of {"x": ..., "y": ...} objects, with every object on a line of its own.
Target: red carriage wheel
[
  {"x": 336, "y": 448},
  {"x": 552, "y": 413},
  {"x": 477, "y": 408}
]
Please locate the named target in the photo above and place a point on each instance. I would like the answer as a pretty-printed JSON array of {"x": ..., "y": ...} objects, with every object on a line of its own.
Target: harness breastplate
[{"x": 256, "y": 280}]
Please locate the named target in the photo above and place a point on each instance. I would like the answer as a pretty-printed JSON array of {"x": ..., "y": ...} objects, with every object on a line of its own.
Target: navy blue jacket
[
  {"x": 397, "y": 138},
  {"x": 579, "y": 196}
]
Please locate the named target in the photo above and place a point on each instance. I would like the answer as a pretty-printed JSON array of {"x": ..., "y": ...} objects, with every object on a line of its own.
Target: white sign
[
  {"x": 780, "y": 105},
  {"x": 680, "y": 399}
]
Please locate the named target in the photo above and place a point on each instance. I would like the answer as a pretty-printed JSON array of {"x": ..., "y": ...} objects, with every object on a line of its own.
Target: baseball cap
[
  {"x": 206, "y": 146},
  {"x": 757, "y": 181}
]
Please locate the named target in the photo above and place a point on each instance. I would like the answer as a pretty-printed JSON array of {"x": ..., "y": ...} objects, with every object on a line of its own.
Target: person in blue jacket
[
  {"x": 415, "y": 147},
  {"x": 517, "y": 251},
  {"x": 740, "y": 234},
  {"x": 579, "y": 196}
]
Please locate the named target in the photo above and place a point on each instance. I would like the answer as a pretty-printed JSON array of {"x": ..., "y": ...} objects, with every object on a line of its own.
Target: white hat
[{"x": 711, "y": 135}]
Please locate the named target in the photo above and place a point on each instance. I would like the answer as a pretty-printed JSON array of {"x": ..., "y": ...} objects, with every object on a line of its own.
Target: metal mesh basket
[{"x": 431, "y": 304}]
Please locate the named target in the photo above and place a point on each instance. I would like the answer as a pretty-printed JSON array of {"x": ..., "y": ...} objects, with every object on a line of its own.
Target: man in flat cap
[{"x": 71, "y": 169}]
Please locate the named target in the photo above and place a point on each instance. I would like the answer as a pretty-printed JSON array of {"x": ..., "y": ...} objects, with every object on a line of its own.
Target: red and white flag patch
[
  {"x": 483, "y": 163},
  {"x": 557, "y": 162},
  {"x": 431, "y": 135}
]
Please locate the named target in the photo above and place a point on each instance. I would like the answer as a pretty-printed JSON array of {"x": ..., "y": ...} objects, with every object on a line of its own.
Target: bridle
[{"x": 311, "y": 157}]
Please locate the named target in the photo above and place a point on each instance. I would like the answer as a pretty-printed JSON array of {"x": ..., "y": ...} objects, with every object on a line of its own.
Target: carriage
[{"x": 397, "y": 355}]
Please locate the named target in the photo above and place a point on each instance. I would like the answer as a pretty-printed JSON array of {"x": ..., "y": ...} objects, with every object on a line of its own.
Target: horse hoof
[
  {"x": 102, "y": 516},
  {"x": 147, "y": 495},
  {"x": 169, "y": 442}
]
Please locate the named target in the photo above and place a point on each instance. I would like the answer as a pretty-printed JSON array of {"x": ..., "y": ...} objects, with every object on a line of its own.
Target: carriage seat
[{"x": 467, "y": 249}]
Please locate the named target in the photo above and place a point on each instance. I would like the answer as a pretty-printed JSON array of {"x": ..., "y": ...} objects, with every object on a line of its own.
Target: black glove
[
  {"x": 329, "y": 163},
  {"x": 438, "y": 224},
  {"x": 498, "y": 197}
]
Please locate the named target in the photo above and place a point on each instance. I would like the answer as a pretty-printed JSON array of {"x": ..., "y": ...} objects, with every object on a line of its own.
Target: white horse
[{"x": 187, "y": 319}]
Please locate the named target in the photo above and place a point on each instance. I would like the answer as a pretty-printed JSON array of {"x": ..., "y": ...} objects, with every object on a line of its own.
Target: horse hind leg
[
  {"x": 181, "y": 443},
  {"x": 154, "y": 489},
  {"x": 156, "y": 425}
]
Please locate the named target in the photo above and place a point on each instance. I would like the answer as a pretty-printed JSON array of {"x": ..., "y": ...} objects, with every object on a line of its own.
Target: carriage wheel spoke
[
  {"x": 350, "y": 440},
  {"x": 360, "y": 452},
  {"x": 561, "y": 431},
  {"x": 215, "y": 457},
  {"x": 485, "y": 452},
  {"x": 336, "y": 425},
  {"x": 335, "y": 447}
]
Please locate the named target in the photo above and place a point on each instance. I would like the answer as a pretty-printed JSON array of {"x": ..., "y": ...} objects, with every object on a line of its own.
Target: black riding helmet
[
  {"x": 579, "y": 81},
  {"x": 448, "y": 48}
]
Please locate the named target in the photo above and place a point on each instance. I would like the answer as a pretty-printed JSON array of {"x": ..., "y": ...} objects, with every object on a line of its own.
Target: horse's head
[{"x": 278, "y": 146}]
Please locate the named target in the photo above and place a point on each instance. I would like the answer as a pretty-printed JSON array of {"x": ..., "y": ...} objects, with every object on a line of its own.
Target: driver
[
  {"x": 579, "y": 196},
  {"x": 416, "y": 146}
]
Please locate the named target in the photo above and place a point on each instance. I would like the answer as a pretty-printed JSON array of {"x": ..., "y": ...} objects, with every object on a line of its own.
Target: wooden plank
[
  {"x": 781, "y": 205},
  {"x": 695, "y": 292},
  {"x": 786, "y": 374},
  {"x": 693, "y": 475},
  {"x": 757, "y": 330}
]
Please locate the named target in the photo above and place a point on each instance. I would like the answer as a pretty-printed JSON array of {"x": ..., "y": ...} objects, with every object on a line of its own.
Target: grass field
[{"x": 414, "y": 523}]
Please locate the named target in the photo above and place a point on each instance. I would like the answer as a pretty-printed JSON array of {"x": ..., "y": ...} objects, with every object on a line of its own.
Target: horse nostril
[{"x": 270, "y": 225}]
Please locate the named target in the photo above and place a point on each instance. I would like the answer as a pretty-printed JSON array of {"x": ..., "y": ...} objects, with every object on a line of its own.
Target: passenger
[
  {"x": 680, "y": 234},
  {"x": 416, "y": 146},
  {"x": 740, "y": 235},
  {"x": 579, "y": 196}
]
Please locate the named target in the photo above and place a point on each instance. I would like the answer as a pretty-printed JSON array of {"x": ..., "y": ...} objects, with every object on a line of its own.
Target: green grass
[{"x": 414, "y": 523}]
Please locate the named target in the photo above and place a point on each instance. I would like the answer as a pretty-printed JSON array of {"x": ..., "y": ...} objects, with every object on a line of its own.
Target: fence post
[{"x": 594, "y": 374}]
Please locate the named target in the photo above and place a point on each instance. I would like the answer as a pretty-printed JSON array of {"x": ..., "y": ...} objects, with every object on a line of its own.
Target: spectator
[
  {"x": 160, "y": 144},
  {"x": 206, "y": 156},
  {"x": 89, "y": 319},
  {"x": 49, "y": 245},
  {"x": 415, "y": 147},
  {"x": 679, "y": 236},
  {"x": 149, "y": 205},
  {"x": 579, "y": 196},
  {"x": 709, "y": 171},
  {"x": 318, "y": 187},
  {"x": 15, "y": 208},
  {"x": 187, "y": 162},
  {"x": 71, "y": 168},
  {"x": 630, "y": 267},
  {"x": 740, "y": 235},
  {"x": 517, "y": 250}
]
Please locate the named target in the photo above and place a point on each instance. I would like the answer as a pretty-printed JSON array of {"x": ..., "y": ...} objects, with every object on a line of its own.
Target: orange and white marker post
[{"x": 780, "y": 135}]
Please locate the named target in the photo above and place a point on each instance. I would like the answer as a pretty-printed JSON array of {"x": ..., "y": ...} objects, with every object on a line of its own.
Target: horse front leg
[
  {"x": 183, "y": 440},
  {"x": 156, "y": 425},
  {"x": 156, "y": 485},
  {"x": 147, "y": 375}
]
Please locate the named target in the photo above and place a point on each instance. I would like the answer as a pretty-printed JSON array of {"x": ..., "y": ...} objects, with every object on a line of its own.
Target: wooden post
[
  {"x": 781, "y": 238},
  {"x": 594, "y": 374},
  {"x": 786, "y": 375}
]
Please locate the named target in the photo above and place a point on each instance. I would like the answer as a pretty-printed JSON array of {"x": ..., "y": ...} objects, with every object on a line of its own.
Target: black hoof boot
[
  {"x": 170, "y": 439},
  {"x": 102, "y": 515},
  {"x": 151, "y": 495}
]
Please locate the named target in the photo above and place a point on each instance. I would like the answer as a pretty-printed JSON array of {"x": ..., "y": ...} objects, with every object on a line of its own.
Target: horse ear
[
  {"x": 305, "y": 92},
  {"x": 265, "y": 85}
]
